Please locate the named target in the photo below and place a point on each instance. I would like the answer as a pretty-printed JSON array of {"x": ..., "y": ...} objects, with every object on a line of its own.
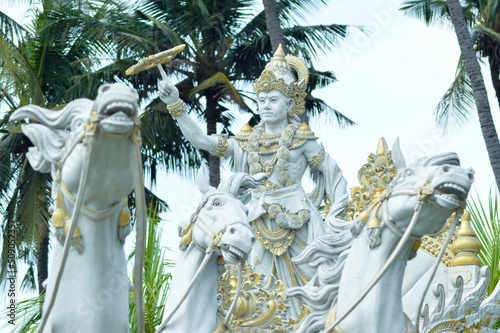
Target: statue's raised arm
[{"x": 215, "y": 145}]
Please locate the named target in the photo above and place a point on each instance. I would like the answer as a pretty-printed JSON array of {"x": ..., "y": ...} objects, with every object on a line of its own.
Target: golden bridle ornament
[{"x": 156, "y": 60}]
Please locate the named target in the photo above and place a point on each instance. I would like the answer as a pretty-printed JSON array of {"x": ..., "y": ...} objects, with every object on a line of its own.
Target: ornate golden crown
[{"x": 282, "y": 66}]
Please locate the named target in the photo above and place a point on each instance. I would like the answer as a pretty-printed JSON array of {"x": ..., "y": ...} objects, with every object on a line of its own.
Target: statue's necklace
[{"x": 280, "y": 158}]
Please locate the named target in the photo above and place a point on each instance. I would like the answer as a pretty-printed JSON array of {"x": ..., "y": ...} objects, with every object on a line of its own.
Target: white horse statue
[
  {"x": 92, "y": 150},
  {"x": 361, "y": 265},
  {"x": 219, "y": 229}
]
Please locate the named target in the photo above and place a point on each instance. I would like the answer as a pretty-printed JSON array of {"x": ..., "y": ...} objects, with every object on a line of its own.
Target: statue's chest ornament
[{"x": 258, "y": 143}]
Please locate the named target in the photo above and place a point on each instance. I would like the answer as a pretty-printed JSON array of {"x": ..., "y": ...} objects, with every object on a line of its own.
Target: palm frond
[
  {"x": 156, "y": 282},
  {"x": 432, "y": 12},
  {"x": 315, "y": 106},
  {"x": 223, "y": 87},
  {"x": 486, "y": 224},
  {"x": 435, "y": 12},
  {"x": 316, "y": 39},
  {"x": 163, "y": 144},
  {"x": 167, "y": 31},
  {"x": 457, "y": 104},
  {"x": 28, "y": 315},
  {"x": 11, "y": 29},
  {"x": 300, "y": 9}
]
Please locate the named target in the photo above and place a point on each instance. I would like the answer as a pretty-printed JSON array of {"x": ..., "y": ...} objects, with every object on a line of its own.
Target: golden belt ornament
[{"x": 277, "y": 242}]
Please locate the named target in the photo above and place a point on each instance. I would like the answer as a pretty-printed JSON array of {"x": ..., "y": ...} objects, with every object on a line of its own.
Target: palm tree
[
  {"x": 473, "y": 71},
  {"x": 482, "y": 18},
  {"x": 227, "y": 48}
]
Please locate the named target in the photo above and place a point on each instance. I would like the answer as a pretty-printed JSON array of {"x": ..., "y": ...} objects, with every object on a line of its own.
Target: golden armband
[
  {"x": 177, "y": 108},
  {"x": 317, "y": 160},
  {"x": 221, "y": 148}
]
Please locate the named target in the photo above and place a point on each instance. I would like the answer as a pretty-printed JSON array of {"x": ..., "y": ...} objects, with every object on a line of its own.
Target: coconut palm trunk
[
  {"x": 42, "y": 264},
  {"x": 479, "y": 89},
  {"x": 273, "y": 24},
  {"x": 211, "y": 118}
]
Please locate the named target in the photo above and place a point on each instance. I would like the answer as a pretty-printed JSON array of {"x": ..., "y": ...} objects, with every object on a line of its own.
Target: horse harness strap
[
  {"x": 215, "y": 236},
  {"x": 422, "y": 194},
  {"x": 392, "y": 227}
]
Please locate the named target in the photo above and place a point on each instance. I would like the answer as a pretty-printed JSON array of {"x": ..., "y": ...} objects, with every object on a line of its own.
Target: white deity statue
[{"x": 283, "y": 217}]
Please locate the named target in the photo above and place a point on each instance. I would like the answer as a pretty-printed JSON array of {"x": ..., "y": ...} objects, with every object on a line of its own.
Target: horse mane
[
  {"x": 49, "y": 132},
  {"x": 441, "y": 159},
  {"x": 327, "y": 254},
  {"x": 241, "y": 185}
]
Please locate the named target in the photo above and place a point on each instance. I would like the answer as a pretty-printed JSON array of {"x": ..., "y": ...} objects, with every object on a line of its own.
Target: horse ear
[
  {"x": 203, "y": 179},
  {"x": 397, "y": 156}
]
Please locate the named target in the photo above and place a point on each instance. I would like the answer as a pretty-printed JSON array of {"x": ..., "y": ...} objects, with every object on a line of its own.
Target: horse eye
[
  {"x": 409, "y": 173},
  {"x": 216, "y": 202}
]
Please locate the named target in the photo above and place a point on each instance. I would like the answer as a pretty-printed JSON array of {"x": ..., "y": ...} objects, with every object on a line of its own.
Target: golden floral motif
[
  {"x": 258, "y": 310},
  {"x": 373, "y": 177},
  {"x": 432, "y": 245},
  {"x": 449, "y": 327}
]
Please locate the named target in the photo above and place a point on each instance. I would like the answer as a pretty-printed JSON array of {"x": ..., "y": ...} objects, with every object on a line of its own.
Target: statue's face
[{"x": 273, "y": 106}]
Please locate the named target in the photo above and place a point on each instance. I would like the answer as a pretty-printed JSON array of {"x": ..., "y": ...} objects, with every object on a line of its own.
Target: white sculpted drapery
[{"x": 285, "y": 220}]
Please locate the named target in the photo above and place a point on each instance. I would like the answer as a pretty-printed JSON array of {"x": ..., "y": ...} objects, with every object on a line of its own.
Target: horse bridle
[
  {"x": 215, "y": 243},
  {"x": 90, "y": 130},
  {"x": 422, "y": 194}
]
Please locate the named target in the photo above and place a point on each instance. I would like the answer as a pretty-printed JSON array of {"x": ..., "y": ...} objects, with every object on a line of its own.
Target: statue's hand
[{"x": 168, "y": 92}]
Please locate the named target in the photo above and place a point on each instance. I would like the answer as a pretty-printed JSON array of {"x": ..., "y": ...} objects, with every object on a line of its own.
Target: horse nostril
[
  {"x": 446, "y": 168},
  {"x": 470, "y": 173},
  {"x": 252, "y": 240},
  {"x": 232, "y": 230}
]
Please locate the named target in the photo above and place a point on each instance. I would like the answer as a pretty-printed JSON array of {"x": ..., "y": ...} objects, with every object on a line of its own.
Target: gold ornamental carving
[
  {"x": 258, "y": 310},
  {"x": 277, "y": 242},
  {"x": 374, "y": 177}
]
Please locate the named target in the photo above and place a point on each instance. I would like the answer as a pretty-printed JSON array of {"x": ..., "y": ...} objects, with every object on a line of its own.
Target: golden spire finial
[
  {"x": 279, "y": 51},
  {"x": 382, "y": 147},
  {"x": 466, "y": 246}
]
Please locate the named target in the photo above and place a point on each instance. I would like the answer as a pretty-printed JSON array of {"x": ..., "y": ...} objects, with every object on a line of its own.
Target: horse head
[
  {"x": 58, "y": 134},
  {"x": 437, "y": 184},
  {"x": 61, "y": 144},
  {"x": 221, "y": 220}
]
